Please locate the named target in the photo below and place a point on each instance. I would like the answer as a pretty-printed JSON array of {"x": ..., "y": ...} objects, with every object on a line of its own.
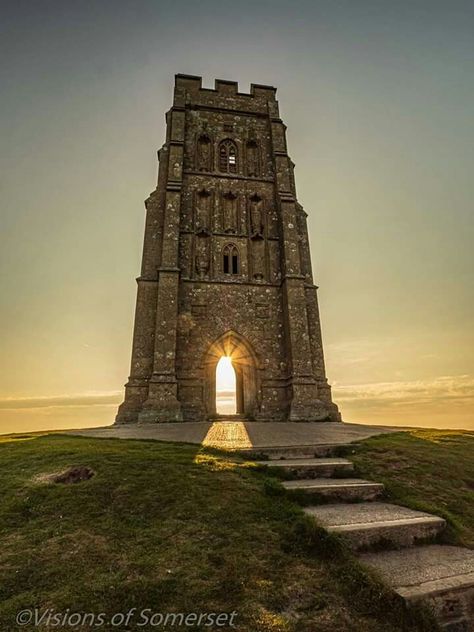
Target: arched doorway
[
  {"x": 226, "y": 387},
  {"x": 245, "y": 364}
]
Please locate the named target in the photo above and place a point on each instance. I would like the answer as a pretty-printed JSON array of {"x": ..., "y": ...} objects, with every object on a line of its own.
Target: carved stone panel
[
  {"x": 203, "y": 211},
  {"x": 257, "y": 225},
  {"x": 253, "y": 158},
  {"x": 201, "y": 257},
  {"x": 185, "y": 256},
  {"x": 204, "y": 153},
  {"x": 229, "y": 212},
  {"x": 175, "y": 163},
  {"x": 199, "y": 310},
  {"x": 258, "y": 258}
]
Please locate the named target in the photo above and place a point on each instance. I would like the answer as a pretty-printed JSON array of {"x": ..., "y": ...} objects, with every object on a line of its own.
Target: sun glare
[{"x": 225, "y": 387}]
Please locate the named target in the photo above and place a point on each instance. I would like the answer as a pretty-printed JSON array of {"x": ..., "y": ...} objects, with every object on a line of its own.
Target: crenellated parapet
[{"x": 193, "y": 83}]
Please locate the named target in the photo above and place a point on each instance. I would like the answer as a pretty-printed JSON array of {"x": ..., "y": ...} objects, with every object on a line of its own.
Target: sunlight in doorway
[{"x": 226, "y": 403}]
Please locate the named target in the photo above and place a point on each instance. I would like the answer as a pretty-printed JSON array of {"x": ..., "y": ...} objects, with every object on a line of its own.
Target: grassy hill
[
  {"x": 430, "y": 470},
  {"x": 176, "y": 528}
]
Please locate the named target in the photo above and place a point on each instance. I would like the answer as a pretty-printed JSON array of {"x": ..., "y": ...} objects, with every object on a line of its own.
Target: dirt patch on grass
[
  {"x": 397, "y": 465},
  {"x": 70, "y": 476}
]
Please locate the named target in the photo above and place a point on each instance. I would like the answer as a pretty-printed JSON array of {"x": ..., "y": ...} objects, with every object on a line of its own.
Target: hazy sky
[{"x": 378, "y": 99}]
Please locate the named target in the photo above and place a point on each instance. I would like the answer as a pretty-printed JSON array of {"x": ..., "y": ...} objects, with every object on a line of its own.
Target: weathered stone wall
[{"x": 209, "y": 310}]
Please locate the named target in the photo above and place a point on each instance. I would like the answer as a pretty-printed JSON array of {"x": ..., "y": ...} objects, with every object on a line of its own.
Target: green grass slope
[
  {"x": 173, "y": 528},
  {"x": 430, "y": 470}
]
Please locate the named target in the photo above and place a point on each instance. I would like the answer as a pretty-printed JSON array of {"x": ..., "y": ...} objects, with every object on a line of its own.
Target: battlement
[{"x": 193, "y": 84}]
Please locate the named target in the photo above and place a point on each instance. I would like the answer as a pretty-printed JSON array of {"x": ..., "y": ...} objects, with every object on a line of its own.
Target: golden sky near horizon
[{"x": 377, "y": 98}]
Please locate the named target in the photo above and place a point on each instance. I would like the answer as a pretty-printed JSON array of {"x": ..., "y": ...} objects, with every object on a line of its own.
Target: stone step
[
  {"x": 367, "y": 525},
  {"x": 338, "y": 489},
  {"x": 275, "y": 453},
  {"x": 441, "y": 576},
  {"x": 312, "y": 468}
]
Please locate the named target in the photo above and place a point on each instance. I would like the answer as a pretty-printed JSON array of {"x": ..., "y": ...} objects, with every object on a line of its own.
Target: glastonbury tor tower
[{"x": 226, "y": 269}]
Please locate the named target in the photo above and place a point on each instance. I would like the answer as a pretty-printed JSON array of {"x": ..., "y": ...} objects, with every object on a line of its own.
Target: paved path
[{"x": 242, "y": 434}]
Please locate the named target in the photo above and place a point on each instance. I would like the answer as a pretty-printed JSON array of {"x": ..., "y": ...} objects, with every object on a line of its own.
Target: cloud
[
  {"x": 359, "y": 351},
  {"x": 445, "y": 390},
  {"x": 445, "y": 394},
  {"x": 225, "y": 394},
  {"x": 111, "y": 398}
]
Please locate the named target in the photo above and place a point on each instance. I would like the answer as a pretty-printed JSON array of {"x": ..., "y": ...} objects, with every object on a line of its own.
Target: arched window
[
  {"x": 228, "y": 156},
  {"x": 231, "y": 259}
]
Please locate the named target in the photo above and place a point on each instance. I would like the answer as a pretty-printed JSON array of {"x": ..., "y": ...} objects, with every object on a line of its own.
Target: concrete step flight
[
  {"x": 275, "y": 453},
  {"x": 338, "y": 489},
  {"x": 441, "y": 576},
  {"x": 368, "y": 525},
  {"x": 313, "y": 467}
]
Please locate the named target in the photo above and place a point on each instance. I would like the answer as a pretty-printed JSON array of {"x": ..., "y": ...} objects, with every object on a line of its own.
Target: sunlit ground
[
  {"x": 225, "y": 387},
  {"x": 227, "y": 434}
]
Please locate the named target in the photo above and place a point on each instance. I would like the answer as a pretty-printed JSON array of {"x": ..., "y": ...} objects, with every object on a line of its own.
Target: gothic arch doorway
[
  {"x": 226, "y": 387},
  {"x": 245, "y": 363}
]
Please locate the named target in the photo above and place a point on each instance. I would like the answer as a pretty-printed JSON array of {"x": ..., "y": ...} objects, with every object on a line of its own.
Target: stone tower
[{"x": 226, "y": 268}]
